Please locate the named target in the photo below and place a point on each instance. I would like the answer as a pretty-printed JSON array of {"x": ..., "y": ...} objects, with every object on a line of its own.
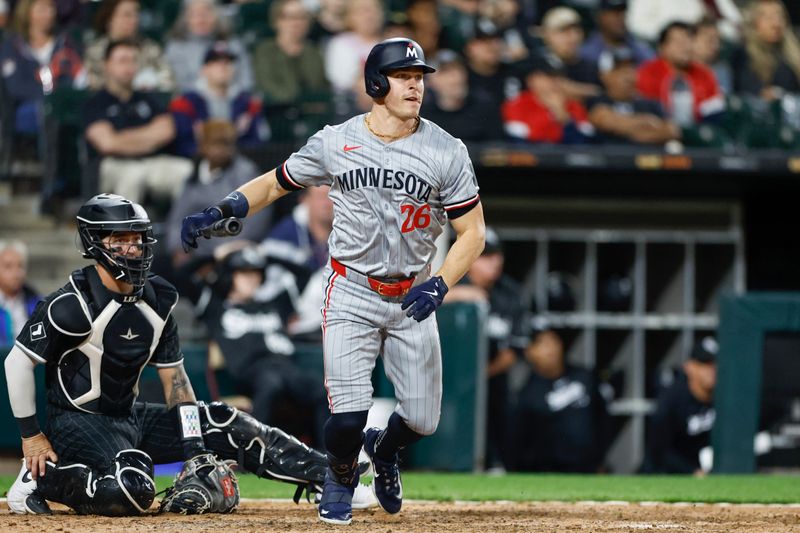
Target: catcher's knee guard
[
  {"x": 263, "y": 450},
  {"x": 124, "y": 488}
]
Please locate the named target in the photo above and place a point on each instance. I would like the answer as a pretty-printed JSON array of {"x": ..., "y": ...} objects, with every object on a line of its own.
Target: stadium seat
[
  {"x": 158, "y": 17},
  {"x": 299, "y": 120},
  {"x": 252, "y": 23},
  {"x": 65, "y": 161},
  {"x": 706, "y": 136}
]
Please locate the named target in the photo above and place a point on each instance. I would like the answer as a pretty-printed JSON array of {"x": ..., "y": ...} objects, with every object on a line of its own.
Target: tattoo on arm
[{"x": 181, "y": 390}]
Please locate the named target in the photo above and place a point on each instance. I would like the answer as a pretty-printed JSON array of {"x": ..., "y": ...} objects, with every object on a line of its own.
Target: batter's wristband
[
  {"x": 234, "y": 205},
  {"x": 189, "y": 429}
]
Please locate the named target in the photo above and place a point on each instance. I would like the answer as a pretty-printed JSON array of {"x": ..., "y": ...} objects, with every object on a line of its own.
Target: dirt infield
[{"x": 440, "y": 518}]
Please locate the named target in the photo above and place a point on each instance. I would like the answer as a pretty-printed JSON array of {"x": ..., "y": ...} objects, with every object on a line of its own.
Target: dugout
[{"x": 758, "y": 383}]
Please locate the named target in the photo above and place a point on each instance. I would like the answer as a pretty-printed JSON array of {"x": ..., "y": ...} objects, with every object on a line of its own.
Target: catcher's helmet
[
  {"x": 105, "y": 214},
  {"x": 389, "y": 55}
]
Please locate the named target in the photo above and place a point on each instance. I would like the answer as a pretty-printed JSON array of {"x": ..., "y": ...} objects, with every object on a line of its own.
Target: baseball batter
[{"x": 395, "y": 179}]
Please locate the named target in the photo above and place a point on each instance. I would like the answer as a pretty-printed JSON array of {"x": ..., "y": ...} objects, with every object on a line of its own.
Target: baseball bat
[{"x": 227, "y": 227}]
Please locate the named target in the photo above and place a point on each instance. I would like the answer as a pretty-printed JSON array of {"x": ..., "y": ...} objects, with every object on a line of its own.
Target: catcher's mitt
[{"x": 204, "y": 485}]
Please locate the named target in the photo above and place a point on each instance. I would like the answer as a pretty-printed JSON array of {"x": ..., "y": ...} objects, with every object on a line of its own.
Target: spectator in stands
[
  {"x": 458, "y": 19},
  {"x": 36, "y": 60},
  {"x": 505, "y": 16},
  {"x": 620, "y": 115},
  {"x": 769, "y": 63},
  {"x": 197, "y": 28},
  {"x": 647, "y": 18},
  {"x": 506, "y": 328},
  {"x": 251, "y": 334},
  {"x": 423, "y": 17},
  {"x": 563, "y": 34},
  {"x": 543, "y": 113},
  {"x": 117, "y": 20},
  {"x": 329, "y": 20},
  {"x": 706, "y": 48},
  {"x": 561, "y": 421},
  {"x": 487, "y": 72},
  {"x": 612, "y": 33},
  {"x": 219, "y": 170},
  {"x": 17, "y": 298},
  {"x": 346, "y": 52},
  {"x": 216, "y": 96},
  {"x": 450, "y": 103},
  {"x": 684, "y": 417},
  {"x": 297, "y": 249},
  {"x": 130, "y": 130},
  {"x": 289, "y": 64},
  {"x": 686, "y": 89},
  {"x": 3, "y": 16}
]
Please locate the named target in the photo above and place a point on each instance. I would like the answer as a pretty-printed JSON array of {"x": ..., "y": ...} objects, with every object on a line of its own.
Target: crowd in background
[
  {"x": 575, "y": 71},
  {"x": 172, "y": 106}
]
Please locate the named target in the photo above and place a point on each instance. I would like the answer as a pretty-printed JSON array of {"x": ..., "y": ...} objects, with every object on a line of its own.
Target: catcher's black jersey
[{"x": 95, "y": 343}]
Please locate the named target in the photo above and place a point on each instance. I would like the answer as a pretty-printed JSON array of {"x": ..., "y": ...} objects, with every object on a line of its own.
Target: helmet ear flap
[
  {"x": 377, "y": 85},
  {"x": 382, "y": 86}
]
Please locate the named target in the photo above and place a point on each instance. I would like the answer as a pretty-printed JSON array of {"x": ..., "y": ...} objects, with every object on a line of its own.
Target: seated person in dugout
[
  {"x": 95, "y": 335},
  {"x": 251, "y": 335},
  {"x": 561, "y": 421},
  {"x": 684, "y": 417}
]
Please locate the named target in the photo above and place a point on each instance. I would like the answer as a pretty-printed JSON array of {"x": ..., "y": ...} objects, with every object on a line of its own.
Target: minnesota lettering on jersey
[{"x": 385, "y": 178}]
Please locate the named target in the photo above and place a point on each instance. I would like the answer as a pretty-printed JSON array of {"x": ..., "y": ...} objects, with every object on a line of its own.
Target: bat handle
[{"x": 227, "y": 227}]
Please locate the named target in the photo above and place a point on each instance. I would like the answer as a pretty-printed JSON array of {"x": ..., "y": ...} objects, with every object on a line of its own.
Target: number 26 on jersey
[{"x": 415, "y": 217}]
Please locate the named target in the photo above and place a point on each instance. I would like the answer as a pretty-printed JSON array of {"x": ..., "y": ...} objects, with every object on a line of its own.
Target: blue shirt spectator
[
  {"x": 35, "y": 61},
  {"x": 17, "y": 298},
  {"x": 217, "y": 96},
  {"x": 612, "y": 33}
]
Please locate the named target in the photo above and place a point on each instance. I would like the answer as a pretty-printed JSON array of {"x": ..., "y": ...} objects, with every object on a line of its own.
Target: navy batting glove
[
  {"x": 190, "y": 229},
  {"x": 425, "y": 298}
]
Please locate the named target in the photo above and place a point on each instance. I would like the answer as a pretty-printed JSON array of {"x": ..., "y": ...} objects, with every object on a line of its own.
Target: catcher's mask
[{"x": 106, "y": 215}]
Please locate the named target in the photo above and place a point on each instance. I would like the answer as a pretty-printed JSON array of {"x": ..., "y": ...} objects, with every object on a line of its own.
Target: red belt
[{"x": 391, "y": 289}]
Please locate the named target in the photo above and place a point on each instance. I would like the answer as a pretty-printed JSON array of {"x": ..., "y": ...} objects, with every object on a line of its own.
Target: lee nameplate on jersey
[{"x": 37, "y": 331}]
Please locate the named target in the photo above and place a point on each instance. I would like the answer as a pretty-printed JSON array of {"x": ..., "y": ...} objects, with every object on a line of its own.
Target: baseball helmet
[
  {"x": 105, "y": 214},
  {"x": 391, "y": 54}
]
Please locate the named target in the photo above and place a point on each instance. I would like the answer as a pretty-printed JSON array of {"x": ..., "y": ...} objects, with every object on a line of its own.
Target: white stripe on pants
[{"x": 359, "y": 325}]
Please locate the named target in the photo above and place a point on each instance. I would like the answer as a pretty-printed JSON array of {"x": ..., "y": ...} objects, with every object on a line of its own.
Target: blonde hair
[
  {"x": 21, "y": 21},
  {"x": 762, "y": 55}
]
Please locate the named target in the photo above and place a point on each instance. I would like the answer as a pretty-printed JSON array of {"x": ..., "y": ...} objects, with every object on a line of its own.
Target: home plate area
[{"x": 501, "y": 517}]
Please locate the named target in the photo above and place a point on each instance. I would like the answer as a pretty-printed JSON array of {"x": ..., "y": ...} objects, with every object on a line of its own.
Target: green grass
[{"x": 539, "y": 487}]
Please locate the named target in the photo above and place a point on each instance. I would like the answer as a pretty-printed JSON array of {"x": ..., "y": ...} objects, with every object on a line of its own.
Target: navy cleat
[
  {"x": 23, "y": 498},
  {"x": 386, "y": 483},
  {"x": 336, "y": 505}
]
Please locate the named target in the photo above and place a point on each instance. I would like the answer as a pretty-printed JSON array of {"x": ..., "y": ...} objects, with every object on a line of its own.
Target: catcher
[{"x": 95, "y": 335}]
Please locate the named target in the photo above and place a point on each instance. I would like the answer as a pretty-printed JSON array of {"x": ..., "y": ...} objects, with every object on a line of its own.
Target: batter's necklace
[{"x": 410, "y": 130}]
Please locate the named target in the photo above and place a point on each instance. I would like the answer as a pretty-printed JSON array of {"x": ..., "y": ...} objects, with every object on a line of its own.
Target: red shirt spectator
[
  {"x": 527, "y": 117},
  {"x": 544, "y": 114},
  {"x": 656, "y": 78}
]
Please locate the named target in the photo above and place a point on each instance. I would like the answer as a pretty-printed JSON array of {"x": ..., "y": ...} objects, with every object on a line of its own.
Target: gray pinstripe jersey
[{"x": 391, "y": 200}]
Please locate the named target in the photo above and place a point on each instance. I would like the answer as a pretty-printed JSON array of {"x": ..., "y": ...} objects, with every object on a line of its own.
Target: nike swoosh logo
[
  {"x": 26, "y": 477},
  {"x": 324, "y": 511},
  {"x": 434, "y": 293},
  {"x": 350, "y": 148}
]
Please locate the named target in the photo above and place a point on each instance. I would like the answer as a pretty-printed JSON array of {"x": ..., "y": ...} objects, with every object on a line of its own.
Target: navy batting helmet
[{"x": 391, "y": 54}]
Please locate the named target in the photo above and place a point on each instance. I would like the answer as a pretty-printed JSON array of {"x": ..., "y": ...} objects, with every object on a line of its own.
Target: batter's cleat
[
  {"x": 363, "y": 498},
  {"x": 386, "y": 483},
  {"x": 23, "y": 498},
  {"x": 336, "y": 505}
]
